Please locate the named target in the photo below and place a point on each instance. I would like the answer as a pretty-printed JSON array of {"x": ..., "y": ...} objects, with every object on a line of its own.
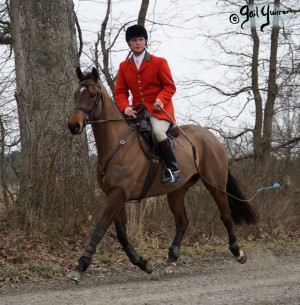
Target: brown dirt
[{"x": 268, "y": 277}]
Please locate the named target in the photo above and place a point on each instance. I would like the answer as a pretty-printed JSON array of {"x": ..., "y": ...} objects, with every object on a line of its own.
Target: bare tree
[
  {"x": 272, "y": 91},
  {"x": 259, "y": 78}
]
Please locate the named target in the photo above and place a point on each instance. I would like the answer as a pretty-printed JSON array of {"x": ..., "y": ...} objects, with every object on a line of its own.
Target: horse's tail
[{"x": 241, "y": 210}]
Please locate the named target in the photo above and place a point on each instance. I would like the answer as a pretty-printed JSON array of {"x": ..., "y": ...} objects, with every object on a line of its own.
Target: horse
[{"x": 122, "y": 169}]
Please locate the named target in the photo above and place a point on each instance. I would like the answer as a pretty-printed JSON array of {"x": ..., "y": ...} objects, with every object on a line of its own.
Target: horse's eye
[{"x": 93, "y": 95}]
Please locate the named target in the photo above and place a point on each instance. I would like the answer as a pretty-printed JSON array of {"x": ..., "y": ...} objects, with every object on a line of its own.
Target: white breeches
[{"x": 160, "y": 128}]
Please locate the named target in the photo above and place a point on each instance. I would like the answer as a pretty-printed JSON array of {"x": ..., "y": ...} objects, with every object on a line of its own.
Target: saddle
[
  {"x": 145, "y": 133},
  {"x": 148, "y": 144}
]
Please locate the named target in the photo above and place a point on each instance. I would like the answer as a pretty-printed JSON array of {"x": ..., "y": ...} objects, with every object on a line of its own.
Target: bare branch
[
  {"x": 273, "y": 149},
  {"x": 223, "y": 135},
  {"x": 219, "y": 90},
  {"x": 79, "y": 36}
]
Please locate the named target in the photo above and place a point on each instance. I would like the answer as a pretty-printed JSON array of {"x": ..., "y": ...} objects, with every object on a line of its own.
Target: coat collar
[
  {"x": 146, "y": 57},
  {"x": 144, "y": 64}
]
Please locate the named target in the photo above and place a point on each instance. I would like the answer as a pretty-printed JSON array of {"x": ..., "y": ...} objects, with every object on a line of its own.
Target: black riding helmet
[{"x": 136, "y": 31}]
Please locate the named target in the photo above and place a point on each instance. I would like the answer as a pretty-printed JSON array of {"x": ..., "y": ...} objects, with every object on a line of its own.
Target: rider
[{"x": 149, "y": 80}]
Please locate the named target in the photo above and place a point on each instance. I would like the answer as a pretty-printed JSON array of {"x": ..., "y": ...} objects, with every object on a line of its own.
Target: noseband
[{"x": 91, "y": 111}]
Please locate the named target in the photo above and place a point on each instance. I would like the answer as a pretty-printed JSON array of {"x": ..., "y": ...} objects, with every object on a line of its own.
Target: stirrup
[{"x": 169, "y": 176}]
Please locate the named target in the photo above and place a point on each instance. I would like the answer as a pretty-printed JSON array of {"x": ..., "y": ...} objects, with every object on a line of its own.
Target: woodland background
[{"x": 249, "y": 97}]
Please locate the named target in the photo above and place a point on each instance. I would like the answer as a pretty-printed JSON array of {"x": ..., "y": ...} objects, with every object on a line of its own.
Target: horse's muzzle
[{"x": 74, "y": 128}]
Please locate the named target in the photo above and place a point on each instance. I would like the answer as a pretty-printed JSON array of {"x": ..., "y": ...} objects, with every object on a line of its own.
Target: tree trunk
[
  {"x": 272, "y": 89},
  {"x": 54, "y": 173},
  {"x": 257, "y": 132},
  {"x": 143, "y": 12},
  {"x": 3, "y": 184}
]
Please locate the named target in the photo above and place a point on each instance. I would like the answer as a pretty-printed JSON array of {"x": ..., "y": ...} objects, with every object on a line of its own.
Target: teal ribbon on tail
[{"x": 274, "y": 186}]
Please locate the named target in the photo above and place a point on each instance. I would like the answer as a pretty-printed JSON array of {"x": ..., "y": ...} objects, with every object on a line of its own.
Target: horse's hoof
[
  {"x": 242, "y": 258},
  {"x": 169, "y": 268},
  {"x": 149, "y": 267},
  {"x": 74, "y": 276}
]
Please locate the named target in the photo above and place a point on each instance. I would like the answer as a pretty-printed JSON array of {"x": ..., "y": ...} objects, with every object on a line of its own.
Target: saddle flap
[{"x": 147, "y": 147}]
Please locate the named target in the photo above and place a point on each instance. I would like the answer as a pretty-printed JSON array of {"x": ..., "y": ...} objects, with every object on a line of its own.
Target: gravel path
[{"x": 265, "y": 279}]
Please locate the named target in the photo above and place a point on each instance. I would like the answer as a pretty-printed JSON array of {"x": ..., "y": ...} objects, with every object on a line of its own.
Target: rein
[
  {"x": 111, "y": 120},
  {"x": 276, "y": 185}
]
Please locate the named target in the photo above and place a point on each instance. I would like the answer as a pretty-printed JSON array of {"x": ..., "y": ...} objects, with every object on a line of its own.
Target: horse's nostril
[{"x": 74, "y": 128}]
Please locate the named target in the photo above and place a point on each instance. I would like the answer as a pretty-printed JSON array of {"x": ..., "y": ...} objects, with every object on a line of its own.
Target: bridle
[
  {"x": 91, "y": 111},
  {"x": 88, "y": 120}
]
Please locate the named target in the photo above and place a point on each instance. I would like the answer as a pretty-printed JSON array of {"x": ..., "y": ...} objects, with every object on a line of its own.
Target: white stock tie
[{"x": 137, "y": 63}]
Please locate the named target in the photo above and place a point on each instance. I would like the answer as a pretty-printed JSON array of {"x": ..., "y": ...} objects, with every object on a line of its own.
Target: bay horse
[{"x": 122, "y": 170}]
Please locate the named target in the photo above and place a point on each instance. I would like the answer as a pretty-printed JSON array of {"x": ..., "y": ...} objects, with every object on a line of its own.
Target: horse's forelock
[{"x": 86, "y": 76}]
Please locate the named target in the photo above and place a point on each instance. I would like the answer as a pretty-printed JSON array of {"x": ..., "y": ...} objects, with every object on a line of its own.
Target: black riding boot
[{"x": 171, "y": 173}]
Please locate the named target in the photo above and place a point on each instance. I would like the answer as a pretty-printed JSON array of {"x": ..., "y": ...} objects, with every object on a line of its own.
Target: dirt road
[{"x": 266, "y": 278}]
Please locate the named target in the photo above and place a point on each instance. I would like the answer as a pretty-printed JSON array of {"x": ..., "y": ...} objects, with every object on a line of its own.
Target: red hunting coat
[{"x": 153, "y": 80}]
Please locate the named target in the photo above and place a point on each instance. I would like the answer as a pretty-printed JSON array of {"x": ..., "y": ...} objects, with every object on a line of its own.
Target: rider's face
[{"x": 137, "y": 45}]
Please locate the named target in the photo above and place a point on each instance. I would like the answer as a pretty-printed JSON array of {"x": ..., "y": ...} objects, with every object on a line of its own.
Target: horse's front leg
[
  {"x": 115, "y": 201},
  {"x": 120, "y": 224},
  {"x": 176, "y": 205}
]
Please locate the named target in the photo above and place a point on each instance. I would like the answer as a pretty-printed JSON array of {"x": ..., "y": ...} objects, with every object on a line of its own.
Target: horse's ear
[
  {"x": 79, "y": 73},
  {"x": 95, "y": 75}
]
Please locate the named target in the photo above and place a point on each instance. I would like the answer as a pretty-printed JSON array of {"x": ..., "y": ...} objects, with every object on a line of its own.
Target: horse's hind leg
[
  {"x": 120, "y": 224},
  {"x": 223, "y": 206},
  {"x": 176, "y": 205}
]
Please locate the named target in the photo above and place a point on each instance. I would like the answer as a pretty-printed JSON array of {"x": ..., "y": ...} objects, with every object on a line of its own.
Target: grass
[
  {"x": 105, "y": 260},
  {"x": 12, "y": 270},
  {"x": 273, "y": 244},
  {"x": 21, "y": 272},
  {"x": 43, "y": 270},
  {"x": 208, "y": 248},
  {"x": 188, "y": 252}
]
